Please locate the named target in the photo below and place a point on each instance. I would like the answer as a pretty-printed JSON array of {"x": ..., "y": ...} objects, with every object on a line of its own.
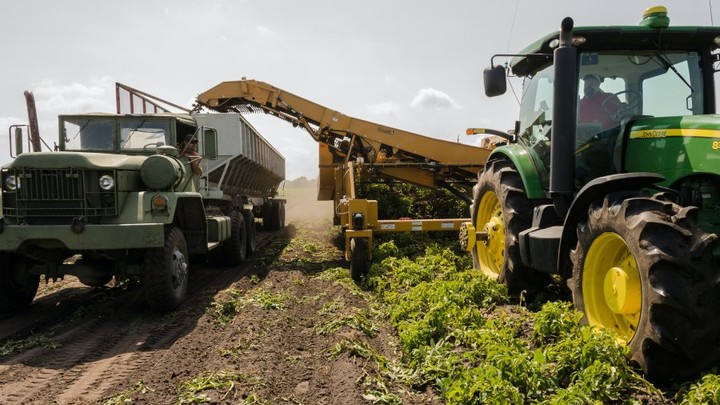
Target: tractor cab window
[
  {"x": 615, "y": 88},
  {"x": 619, "y": 86},
  {"x": 536, "y": 113},
  {"x": 88, "y": 134}
]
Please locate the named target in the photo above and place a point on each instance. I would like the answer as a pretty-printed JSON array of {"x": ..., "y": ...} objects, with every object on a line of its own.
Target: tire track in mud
[{"x": 113, "y": 341}]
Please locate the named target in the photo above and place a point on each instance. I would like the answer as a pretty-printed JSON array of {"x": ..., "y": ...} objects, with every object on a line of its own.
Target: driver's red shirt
[{"x": 591, "y": 109}]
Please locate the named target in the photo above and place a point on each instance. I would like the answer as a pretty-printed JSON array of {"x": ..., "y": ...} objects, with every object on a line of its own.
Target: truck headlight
[
  {"x": 107, "y": 182},
  {"x": 12, "y": 183}
]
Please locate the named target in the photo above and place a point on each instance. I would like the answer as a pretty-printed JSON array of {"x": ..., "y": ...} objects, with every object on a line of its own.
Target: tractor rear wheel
[
  {"x": 17, "y": 285},
  {"x": 502, "y": 210},
  {"x": 643, "y": 269}
]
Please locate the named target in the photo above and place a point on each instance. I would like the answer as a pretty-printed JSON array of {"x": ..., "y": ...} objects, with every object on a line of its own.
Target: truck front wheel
[
  {"x": 17, "y": 285},
  {"x": 501, "y": 210},
  {"x": 643, "y": 269},
  {"x": 165, "y": 277}
]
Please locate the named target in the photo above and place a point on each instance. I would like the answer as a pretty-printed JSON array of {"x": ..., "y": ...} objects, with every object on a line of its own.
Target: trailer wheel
[
  {"x": 17, "y": 285},
  {"x": 165, "y": 277},
  {"x": 501, "y": 209},
  {"x": 267, "y": 213},
  {"x": 643, "y": 269},
  {"x": 360, "y": 259},
  {"x": 251, "y": 237},
  {"x": 281, "y": 221}
]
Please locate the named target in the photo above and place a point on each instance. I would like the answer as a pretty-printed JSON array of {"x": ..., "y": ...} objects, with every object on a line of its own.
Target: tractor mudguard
[
  {"x": 522, "y": 159},
  {"x": 593, "y": 190}
]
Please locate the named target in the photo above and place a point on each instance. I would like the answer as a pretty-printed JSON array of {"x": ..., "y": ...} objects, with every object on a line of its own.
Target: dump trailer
[
  {"x": 350, "y": 148},
  {"x": 119, "y": 198},
  {"x": 613, "y": 184}
]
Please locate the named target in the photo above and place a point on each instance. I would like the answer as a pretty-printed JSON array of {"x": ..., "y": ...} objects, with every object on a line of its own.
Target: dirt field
[{"x": 258, "y": 334}]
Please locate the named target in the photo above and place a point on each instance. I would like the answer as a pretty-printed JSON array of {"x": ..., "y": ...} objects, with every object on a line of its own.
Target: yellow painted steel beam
[{"x": 420, "y": 225}]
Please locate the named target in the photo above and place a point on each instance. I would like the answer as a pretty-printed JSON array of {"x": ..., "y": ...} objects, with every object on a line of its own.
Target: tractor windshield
[{"x": 614, "y": 88}]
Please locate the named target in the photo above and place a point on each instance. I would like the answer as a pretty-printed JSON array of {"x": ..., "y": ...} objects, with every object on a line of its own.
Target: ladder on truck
[{"x": 348, "y": 146}]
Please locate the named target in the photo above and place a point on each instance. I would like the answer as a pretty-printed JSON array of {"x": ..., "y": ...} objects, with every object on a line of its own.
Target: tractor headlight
[
  {"x": 12, "y": 183},
  {"x": 107, "y": 182}
]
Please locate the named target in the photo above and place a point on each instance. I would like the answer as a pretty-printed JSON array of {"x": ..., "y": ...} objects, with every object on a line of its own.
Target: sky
[{"x": 414, "y": 65}]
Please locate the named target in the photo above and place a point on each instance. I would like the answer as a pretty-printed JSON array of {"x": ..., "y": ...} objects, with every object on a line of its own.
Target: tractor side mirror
[{"x": 495, "y": 81}]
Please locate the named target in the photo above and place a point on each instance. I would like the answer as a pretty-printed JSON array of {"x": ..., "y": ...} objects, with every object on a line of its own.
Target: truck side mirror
[
  {"x": 495, "y": 81},
  {"x": 210, "y": 146},
  {"x": 18, "y": 140}
]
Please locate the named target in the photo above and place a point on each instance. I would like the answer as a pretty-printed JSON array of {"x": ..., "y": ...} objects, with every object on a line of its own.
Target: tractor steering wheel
[{"x": 619, "y": 110}]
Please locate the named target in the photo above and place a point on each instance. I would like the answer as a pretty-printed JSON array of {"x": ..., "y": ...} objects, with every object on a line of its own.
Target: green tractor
[{"x": 611, "y": 180}]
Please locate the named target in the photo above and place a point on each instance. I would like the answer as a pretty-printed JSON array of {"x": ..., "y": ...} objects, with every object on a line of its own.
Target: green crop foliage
[
  {"x": 705, "y": 391},
  {"x": 126, "y": 397},
  {"x": 193, "y": 391},
  {"x": 360, "y": 320},
  {"x": 460, "y": 334},
  {"x": 16, "y": 346}
]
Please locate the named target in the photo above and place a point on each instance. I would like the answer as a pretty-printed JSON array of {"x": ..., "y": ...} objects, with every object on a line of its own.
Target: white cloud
[
  {"x": 429, "y": 98},
  {"x": 264, "y": 30},
  {"x": 384, "y": 108},
  {"x": 74, "y": 97}
]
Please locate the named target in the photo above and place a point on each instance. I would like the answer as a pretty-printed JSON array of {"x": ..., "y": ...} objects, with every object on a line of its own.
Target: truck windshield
[
  {"x": 143, "y": 134},
  {"x": 100, "y": 134},
  {"x": 94, "y": 134}
]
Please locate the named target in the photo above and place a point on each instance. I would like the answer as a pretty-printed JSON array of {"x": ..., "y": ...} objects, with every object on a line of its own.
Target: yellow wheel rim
[
  {"x": 489, "y": 219},
  {"x": 611, "y": 286}
]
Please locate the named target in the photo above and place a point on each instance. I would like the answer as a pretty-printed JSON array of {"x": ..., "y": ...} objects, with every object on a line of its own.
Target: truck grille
[{"x": 55, "y": 196}]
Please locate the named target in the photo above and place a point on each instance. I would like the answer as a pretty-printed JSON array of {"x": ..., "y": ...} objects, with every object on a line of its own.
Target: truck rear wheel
[
  {"x": 501, "y": 209},
  {"x": 165, "y": 277},
  {"x": 251, "y": 237},
  {"x": 17, "y": 285},
  {"x": 233, "y": 251},
  {"x": 643, "y": 269}
]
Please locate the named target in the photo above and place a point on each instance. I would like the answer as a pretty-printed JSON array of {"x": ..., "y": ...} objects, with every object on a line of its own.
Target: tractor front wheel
[
  {"x": 500, "y": 211},
  {"x": 643, "y": 269}
]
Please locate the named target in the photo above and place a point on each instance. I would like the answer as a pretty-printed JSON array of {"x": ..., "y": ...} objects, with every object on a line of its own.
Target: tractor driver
[{"x": 597, "y": 106}]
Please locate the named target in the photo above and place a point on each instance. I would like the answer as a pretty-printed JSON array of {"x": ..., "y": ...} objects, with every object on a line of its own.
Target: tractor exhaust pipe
[{"x": 564, "y": 117}]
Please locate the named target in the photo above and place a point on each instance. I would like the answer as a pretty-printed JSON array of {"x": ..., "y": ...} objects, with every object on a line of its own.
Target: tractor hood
[{"x": 61, "y": 160}]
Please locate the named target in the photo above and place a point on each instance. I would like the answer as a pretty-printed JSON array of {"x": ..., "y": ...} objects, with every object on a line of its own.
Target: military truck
[
  {"x": 626, "y": 209},
  {"x": 118, "y": 199}
]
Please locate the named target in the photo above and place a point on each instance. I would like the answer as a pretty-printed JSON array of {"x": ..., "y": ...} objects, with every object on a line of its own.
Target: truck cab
[{"x": 119, "y": 199}]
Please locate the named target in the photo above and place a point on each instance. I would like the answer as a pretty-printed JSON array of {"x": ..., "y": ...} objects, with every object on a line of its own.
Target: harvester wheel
[
  {"x": 643, "y": 269},
  {"x": 501, "y": 210},
  {"x": 165, "y": 277},
  {"x": 17, "y": 285},
  {"x": 360, "y": 258},
  {"x": 249, "y": 219}
]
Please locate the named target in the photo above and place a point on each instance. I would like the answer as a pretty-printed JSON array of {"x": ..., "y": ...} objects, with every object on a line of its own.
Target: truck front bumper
[{"x": 92, "y": 237}]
